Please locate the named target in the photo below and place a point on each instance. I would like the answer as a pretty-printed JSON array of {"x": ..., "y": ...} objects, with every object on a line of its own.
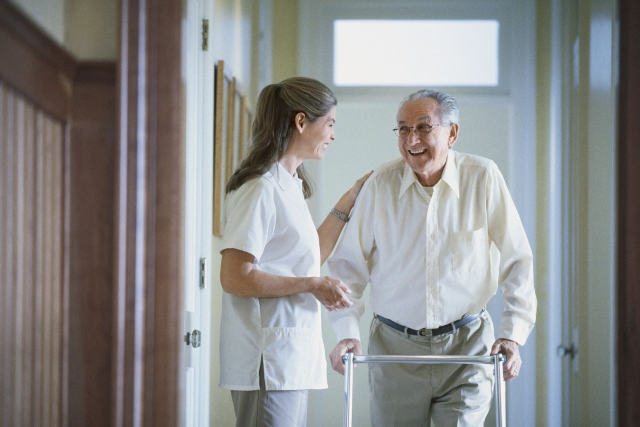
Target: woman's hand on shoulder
[
  {"x": 330, "y": 292},
  {"x": 357, "y": 186}
]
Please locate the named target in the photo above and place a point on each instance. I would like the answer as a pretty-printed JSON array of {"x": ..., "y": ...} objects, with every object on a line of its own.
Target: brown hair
[{"x": 273, "y": 126}]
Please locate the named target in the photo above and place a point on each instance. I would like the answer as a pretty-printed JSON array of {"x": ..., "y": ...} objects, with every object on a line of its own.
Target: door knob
[
  {"x": 193, "y": 338},
  {"x": 567, "y": 351}
]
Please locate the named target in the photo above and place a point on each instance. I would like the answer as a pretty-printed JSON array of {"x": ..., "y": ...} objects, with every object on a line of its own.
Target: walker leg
[
  {"x": 348, "y": 386},
  {"x": 501, "y": 414}
]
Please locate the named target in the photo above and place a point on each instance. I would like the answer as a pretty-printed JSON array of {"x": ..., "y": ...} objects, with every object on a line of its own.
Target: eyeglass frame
[{"x": 420, "y": 134}]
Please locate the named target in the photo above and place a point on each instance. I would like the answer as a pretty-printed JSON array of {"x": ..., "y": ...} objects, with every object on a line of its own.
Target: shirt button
[{"x": 433, "y": 236}]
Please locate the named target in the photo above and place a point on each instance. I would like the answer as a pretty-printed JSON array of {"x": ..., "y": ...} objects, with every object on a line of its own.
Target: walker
[{"x": 497, "y": 361}]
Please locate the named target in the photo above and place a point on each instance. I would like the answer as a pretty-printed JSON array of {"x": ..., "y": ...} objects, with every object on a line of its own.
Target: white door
[{"x": 197, "y": 78}]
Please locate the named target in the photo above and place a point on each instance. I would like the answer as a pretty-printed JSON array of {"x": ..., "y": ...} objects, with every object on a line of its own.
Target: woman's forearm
[
  {"x": 238, "y": 277},
  {"x": 330, "y": 229}
]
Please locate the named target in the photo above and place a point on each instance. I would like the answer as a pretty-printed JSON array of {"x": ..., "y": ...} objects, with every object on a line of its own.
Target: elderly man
[{"x": 421, "y": 233}]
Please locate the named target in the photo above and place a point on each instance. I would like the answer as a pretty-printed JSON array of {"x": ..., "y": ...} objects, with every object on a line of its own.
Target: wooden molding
[
  {"x": 149, "y": 303},
  {"x": 628, "y": 295},
  {"x": 38, "y": 68},
  {"x": 16, "y": 23},
  {"x": 96, "y": 72}
]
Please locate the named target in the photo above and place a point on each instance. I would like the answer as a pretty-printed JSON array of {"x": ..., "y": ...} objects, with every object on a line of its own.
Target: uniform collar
[
  {"x": 285, "y": 181},
  {"x": 449, "y": 176}
]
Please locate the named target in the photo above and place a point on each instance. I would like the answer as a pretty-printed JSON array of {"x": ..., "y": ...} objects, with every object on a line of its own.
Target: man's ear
[
  {"x": 300, "y": 120},
  {"x": 453, "y": 134}
]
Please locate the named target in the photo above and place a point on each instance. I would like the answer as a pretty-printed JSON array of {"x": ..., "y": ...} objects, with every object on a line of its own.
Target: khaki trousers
[
  {"x": 261, "y": 408},
  {"x": 414, "y": 395}
]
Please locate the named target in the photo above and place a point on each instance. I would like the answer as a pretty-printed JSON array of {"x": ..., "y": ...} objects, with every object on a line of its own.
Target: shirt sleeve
[
  {"x": 250, "y": 218},
  {"x": 349, "y": 262},
  {"x": 516, "y": 261}
]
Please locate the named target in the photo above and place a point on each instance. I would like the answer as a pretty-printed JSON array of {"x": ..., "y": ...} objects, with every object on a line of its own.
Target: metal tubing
[
  {"x": 501, "y": 414},
  {"x": 497, "y": 361},
  {"x": 432, "y": 360},
  {"x": 348, "y": 388}
]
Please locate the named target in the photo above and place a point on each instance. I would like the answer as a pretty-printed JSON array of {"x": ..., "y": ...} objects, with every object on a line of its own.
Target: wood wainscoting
[
  {"x": 92, "y": 179},
  {"x": 32, "y": 262},
  {"x": 57, "y": 187}
]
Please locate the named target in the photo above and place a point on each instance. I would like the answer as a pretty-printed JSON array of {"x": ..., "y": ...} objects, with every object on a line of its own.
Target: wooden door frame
[
  {"x": 148, "y": 358},
  {"x": 628, "y": 298}
]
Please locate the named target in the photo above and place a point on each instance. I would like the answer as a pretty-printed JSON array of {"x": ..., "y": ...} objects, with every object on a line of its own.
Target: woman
[{"x": 271, "y": 349}]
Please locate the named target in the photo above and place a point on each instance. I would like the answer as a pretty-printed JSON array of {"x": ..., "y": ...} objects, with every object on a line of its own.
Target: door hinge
[
  {"x": 203, "y": 273},
  {"x": 205, "y": 34}
]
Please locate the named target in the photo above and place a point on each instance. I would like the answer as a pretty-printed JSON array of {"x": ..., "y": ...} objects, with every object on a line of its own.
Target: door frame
[
  {"x": 149, "y": 271},
  {"x": 628, "y": 260}
]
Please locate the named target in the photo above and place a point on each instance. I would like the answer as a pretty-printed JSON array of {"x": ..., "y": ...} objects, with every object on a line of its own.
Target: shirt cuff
[
  {"x": 514, "y": 329},
  {"x": 347, "y": 327}
]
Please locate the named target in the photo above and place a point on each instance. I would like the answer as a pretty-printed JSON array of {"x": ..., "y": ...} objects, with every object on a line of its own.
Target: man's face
[{"x": 426, "y": 146}]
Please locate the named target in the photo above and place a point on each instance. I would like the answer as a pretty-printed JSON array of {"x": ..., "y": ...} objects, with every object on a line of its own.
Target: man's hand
[
  {"x": 331, "y": 293},
  {"x": 511, "y": 367},
  {"x": 344, "y": 346}
]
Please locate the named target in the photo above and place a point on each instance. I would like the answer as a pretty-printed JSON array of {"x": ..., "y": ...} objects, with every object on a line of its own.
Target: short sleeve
[{"x": 250, "y": 218}]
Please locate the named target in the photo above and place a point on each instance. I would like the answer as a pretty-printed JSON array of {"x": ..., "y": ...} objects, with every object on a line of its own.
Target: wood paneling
[
  {"x": 57, "y": 181},
  {"x": 628, "y": 321},
  {"x": 32, "y": 253},
  {"x": 92, "y": 186},
  {"x": 35, "y": 65}
]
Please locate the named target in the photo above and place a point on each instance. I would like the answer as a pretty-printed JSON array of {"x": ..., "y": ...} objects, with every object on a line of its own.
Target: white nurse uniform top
[{"x": 269, "y": 218}]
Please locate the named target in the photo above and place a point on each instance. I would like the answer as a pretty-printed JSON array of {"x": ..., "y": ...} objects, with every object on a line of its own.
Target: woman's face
[{"x": 314, "y": 137}]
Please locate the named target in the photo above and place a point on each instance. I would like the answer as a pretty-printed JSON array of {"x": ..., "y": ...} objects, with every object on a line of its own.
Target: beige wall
[
  {"x": 90, "y": 30},
  {"x": 48, "y": 15},
  {"x": 86, "y": 28},
  {"x": 285, "y": 39}
]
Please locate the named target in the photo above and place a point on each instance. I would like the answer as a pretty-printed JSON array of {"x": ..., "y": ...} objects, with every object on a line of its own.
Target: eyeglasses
[{"x": 422, "y": 130}]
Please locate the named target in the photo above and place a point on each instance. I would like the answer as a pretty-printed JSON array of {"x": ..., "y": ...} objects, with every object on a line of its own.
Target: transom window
[{"x": 415, "y": 52}]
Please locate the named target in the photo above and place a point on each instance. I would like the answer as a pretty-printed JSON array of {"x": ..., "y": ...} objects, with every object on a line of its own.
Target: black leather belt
[{"x": 433, "y": 332}]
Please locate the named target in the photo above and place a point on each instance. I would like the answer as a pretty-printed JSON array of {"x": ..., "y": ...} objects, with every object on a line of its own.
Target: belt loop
[
  {"x": 406, "y": 332},
  {"x": 453, "y": 326}
]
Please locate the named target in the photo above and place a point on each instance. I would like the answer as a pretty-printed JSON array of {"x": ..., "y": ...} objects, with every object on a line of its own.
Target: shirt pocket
[{"x": 470, "y": 251}]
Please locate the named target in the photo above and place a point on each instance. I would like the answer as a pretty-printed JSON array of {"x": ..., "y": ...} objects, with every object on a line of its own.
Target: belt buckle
[{"x": 424, "y": 332}]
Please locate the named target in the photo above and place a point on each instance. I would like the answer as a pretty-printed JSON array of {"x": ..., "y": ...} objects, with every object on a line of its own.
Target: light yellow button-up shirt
[{"x": 428, "y": 258}]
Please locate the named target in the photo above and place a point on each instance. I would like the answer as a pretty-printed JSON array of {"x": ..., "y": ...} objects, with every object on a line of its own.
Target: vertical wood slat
[
  {"x": 4, "y": 194},
  {"x": 47, "y": 275},
  {"x": 29, "y": 256},
  {"x": 9, "y": 285},
  {"x": 57, "y": 324},
  {"x": 19, "y": 243},
  {"x": 39, "y": 276}
]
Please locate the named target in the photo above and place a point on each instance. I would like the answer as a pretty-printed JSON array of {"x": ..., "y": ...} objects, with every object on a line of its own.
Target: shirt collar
[
  {"x": 449, "y": 176},
  {"x": 285, "y": 181}
]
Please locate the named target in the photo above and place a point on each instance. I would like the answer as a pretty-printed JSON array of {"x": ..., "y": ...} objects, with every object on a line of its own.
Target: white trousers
[{"x": 414, "y": 395}]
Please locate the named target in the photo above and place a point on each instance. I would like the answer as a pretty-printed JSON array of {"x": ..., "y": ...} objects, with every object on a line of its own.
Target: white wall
[
  {"x": 230, "y": 32},
  {"x": 48, "y": 15}
]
